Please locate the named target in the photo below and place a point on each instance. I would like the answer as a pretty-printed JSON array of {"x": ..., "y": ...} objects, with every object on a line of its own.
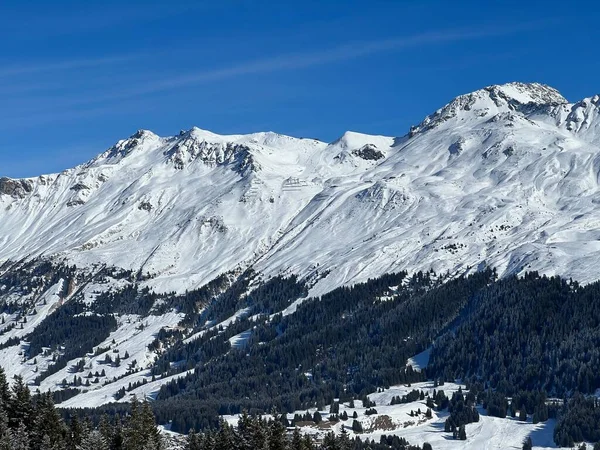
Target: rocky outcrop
[{"x": 15, "y": 188}]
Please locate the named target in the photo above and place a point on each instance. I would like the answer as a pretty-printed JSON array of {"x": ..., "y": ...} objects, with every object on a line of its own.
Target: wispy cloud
[
  {"x": 52, "y": 66},
  {"x": 291, "y": 61},
  {"x": 350, "y": 51}
]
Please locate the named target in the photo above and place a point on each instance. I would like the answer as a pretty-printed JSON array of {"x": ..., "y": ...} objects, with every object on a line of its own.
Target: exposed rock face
[
  {"x": 457, "y": 147},
  {"x": 126, "y": 146},
  {"x": 518, "y": 97},
  {"x": 191, "y": 149},
  {"x": 145, "y": 206},
  {"x": 369, "y": 152},
  {"x": 80, "y": 187},
  {"x": 15, "y": 188}
]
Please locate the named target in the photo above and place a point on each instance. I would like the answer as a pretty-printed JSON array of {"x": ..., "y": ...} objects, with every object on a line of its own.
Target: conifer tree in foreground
[
  {"x": 93, "y": 440},
  {"x": 32, "y": 423}
]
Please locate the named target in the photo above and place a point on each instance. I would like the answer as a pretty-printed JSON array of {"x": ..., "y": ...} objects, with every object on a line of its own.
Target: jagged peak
[
  {"x": 498, "y": 98},
  {"x": 510, "y": 94},
  {"x": 211, "y": 149},
  {"x": 143, "y": 134},
  {"x": 525, "y": 93},
  {"x": 588, "y": 102},
  {"x": 125, "y": 146},
  {"x": 583, "y": 117}
]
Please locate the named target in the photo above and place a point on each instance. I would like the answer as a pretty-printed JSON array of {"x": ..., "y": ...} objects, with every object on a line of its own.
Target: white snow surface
[
  {"x": 490, "y": 433},
  {"x": 506, "y": 176},
  {"x": 132, "y": 337},
  {"x": 420, "y": 361}
]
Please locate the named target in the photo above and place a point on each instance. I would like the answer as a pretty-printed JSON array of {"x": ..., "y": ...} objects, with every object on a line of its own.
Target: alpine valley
[{"x": 425, "y": 287}]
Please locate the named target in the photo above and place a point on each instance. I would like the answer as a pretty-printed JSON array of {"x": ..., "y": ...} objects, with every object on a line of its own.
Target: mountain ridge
[
  {"x": 523, "y": 93},
  {"x": 167, "y": 264},
  {"x": 468, "y": 187}
]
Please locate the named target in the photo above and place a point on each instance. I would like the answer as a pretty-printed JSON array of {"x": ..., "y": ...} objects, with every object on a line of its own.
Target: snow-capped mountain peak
[
  {"x": 525, "y": 93},
  {"x": 505, "y": 176},
  {"x": 491, "y": 100},
  {"x": 583, "y": 116},
  {"x": 352, "y": 140},
  {"x": 141, "y": 139}
]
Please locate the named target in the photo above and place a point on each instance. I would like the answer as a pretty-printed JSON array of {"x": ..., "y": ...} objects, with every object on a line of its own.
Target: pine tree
[
  {"x": 209, "y": 441},
  {"x": 45, "y": 444},
  {"x": 245, "y": 431},
  {"x": 48, "y": 428},
  {"x": 106, "y": 429},
  {"x": 462, "y": 433},
  {"x": 75, "y": 433},
  {"x": 317, "y": 417},
  {"x": 334, "y": 408},
  {"x": 19, "y": 438},
  {"x": 194, "y": 441},
  {"x": 277, "y": 434},
  {"x": 150, "y": 431},
  {"x": 4, "y": 389},
  {"x": 132, "y": 436},
  {"x": 308, "y": 443},
  {"x": 118, "y": 435},
  {"x": 344, "y": 440},
  {"x": 260, "y": 439},
  {"x": 297, "y": 442},
  {"x": 527, "y": 444},
  {"x": 19, "y": 406},
  {"x": 93, "y": 440},
  {"x": 141, "y": 432},
  {"x": 4, "y": 430},
  {"x": 225, "y": 439},
  {"x": 330, "y": 442}
]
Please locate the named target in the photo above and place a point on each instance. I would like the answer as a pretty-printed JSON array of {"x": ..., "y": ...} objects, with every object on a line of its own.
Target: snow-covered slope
[
  {"x": 506, "y": 176},
  {"x": 401, "y": 420}
]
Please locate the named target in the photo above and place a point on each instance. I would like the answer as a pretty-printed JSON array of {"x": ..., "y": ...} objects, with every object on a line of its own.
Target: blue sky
[{"x": 77, "y": 76}]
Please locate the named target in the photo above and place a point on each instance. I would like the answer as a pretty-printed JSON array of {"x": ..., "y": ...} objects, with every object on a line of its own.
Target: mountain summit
[
  {"x": 506, "y": 176},
  {"x": 495, "y": 99}
]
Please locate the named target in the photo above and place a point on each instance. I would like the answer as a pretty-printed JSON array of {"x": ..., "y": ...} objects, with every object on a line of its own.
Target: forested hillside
[
  {"x": 246, "y": 343},
  {"x": 517, "y": 337},
  {"x": 342, "y": 345}
]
